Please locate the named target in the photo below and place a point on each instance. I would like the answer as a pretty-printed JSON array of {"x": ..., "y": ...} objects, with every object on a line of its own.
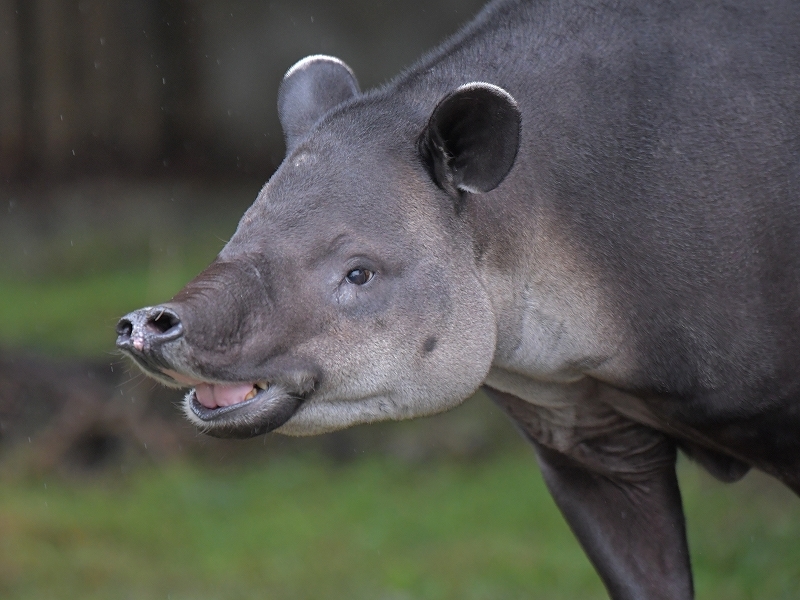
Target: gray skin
[{"x": 591, "y": 209}]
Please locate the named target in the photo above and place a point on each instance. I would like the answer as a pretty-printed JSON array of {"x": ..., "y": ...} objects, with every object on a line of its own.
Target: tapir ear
[
  {"x": 472, "y": 138},
  {"x": 309, "y": 89}
]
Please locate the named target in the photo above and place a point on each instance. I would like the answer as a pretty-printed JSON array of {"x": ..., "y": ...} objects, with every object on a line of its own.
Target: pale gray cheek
[{"x": 358, "y": 303}]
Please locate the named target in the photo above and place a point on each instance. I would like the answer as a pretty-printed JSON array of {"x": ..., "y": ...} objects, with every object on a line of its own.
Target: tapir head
[{"x": 349, "y": 292}]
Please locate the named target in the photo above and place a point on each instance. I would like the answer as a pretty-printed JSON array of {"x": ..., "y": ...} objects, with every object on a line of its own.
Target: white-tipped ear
[
  {"x": 312, "y": 87},
  {"x": 472, "y": 138}
]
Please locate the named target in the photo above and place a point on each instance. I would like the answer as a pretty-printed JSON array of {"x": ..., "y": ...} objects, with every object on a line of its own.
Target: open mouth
[
  {"x": 209, "y": 401},
  {"x": 239, "y": 410}
]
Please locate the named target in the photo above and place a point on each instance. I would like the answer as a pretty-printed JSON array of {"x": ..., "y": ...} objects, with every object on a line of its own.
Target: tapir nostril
[
  {"x": 124, "y": 328},
  {"x": 165, "y": 324}
]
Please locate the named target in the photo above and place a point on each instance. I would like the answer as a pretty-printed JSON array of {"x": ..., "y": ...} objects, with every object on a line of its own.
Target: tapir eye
[{"x": 359, "y": 276}]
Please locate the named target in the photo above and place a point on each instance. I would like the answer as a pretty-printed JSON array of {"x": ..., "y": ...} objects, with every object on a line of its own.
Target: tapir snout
[
  {"x": 148, "y": 328},
  {"x": 247, "y": 391}
]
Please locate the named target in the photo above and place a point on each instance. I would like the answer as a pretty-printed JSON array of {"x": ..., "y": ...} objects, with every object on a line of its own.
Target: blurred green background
[{"x": 132, "y": 137}]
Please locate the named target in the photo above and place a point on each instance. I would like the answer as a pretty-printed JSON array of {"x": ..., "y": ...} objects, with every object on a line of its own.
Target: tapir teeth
[{"x": 257, "y": 387}]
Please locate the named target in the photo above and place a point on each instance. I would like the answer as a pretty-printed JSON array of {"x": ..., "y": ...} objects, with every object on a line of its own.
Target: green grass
[{"x": 371, "y": 529}]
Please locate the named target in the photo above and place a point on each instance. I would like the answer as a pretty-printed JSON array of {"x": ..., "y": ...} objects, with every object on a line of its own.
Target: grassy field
[{"x": 376, "y": 528}]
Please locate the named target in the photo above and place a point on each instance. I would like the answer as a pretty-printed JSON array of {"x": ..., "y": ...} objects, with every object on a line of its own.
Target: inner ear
[
  {"x": 472, "y": 138},
  {"x": 311, "y": 88}
]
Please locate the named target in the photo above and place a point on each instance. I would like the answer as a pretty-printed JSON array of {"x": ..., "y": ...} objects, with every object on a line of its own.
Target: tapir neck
[{"x": 554, "y": 321}]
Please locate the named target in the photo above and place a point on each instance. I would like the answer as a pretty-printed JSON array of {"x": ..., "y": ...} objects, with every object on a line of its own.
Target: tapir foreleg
[{"x": 614, "y": 481}]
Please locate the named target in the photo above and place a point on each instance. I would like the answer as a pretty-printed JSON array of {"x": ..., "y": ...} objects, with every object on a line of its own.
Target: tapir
[{"x": 589, "y": 208}]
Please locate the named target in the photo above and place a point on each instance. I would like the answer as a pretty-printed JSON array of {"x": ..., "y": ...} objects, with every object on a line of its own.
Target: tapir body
[{"x": 590, "y": 208}]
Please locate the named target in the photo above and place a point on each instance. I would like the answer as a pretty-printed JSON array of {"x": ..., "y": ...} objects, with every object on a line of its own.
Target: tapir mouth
[
  {"x": 235, "y": 409},
  {"x": 239, "y": 410},
  {"x": 214, "y": 397}
]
